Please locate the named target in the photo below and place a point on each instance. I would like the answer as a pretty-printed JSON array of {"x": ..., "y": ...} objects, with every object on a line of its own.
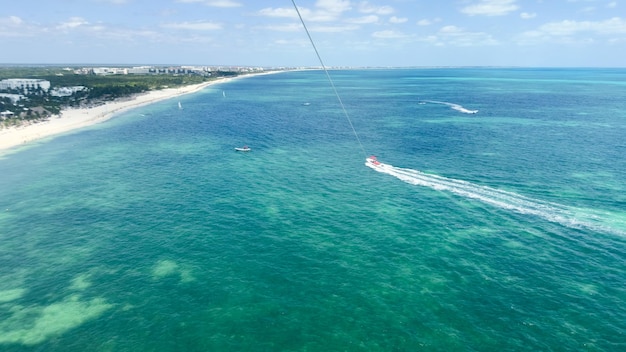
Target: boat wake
[
  {"x": 456, "y": 107},
  {"x": 557, "y": 213}
]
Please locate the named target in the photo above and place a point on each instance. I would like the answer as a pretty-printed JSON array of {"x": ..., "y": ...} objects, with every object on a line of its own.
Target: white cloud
[
  {"x": 131, "y": 35},
  {"x": 333, "y": 29},
  {"x": 194, "y": 26},
  {"x": 223, "y": 3},
  {"x": 295, "y": 27},
  {"x": 576, "y": 31},
  {"x": 366, "y": 7},
  {"x": 614, "y": 25},
  {"x": 428, "y": 22},
  {"x": 389, "y": 34},
  {"x": 395, "y": 19},
  {"x": 456, "y": 36},
  {"x": 281, "y": 12},
  {"x": 450, "y": 29},
  {"x": 213, "y": 3},
  {"x": 325, "y": 11},
  {"x": 13, "y": 26},
  {"x": 116, "y": 2},
  {"x": 308, "y": 15},
  {"x": 612, "y": 4},
  {"x": 11, "y": 21},
  {"x": 363, "y": 20},
  {"x": 491, "y": 8},
  {"x": 73, "y": 22},
  {"x": 289, "y": 27},
  {"x": 527, "y": 16},
  {"x": 334, "y": 6},
  {"x": 614, "y": 41}
]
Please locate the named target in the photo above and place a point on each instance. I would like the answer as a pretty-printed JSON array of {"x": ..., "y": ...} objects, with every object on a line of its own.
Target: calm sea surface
[{"x": 501, "y": 230}]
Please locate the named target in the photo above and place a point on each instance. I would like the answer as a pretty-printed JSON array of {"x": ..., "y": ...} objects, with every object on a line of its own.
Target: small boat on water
[
  {"x": 245, "y": 148},
  {"x": 372, "y": 161}
]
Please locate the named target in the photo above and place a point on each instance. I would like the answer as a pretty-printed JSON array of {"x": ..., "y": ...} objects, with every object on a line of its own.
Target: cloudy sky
[{"x": 346, "y": 32}]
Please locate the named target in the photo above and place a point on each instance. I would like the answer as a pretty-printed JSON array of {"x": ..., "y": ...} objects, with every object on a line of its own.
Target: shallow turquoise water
[{"x": 148, "y": 232}]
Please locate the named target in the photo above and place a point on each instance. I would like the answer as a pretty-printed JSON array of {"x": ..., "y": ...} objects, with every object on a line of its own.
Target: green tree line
[{"x": 39, "y": 104}]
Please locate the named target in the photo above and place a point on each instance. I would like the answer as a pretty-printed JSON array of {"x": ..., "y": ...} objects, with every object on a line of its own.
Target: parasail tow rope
[{"x": 332, "y": 84}]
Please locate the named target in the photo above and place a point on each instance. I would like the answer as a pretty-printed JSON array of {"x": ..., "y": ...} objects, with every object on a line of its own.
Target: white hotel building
[{"x": 24, "y": 85}]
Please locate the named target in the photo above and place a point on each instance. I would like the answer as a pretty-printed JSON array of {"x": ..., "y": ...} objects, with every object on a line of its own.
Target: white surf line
[
  {"x": 456, "y": 107},
  {"x": 552, "y": 212}
]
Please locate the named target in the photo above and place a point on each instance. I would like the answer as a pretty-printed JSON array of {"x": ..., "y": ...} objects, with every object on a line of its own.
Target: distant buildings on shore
[
  {"x": 166, "y": 70},
  {"x": 16, "y": 92},
  {"x": 31, "y": 85},
  {"x": 24, "y": 85}
]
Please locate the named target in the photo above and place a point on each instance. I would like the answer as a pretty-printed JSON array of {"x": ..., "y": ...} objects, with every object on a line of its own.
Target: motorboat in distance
[
  {"x": 245, "y": 148},
  {"x": 371, "y": 161}
]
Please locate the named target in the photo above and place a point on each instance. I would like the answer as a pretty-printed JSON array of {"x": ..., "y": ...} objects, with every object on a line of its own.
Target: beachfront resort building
[
  {"x": 13, "y": 98},
  {"x": 6, "y": 114},
  {"x": 24, "y": 85},
  {"x": 105, "y": 71},
  {"x": 66, "y": 91}
]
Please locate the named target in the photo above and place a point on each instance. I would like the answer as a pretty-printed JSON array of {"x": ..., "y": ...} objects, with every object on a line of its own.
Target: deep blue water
[{"x": 503, "y": 230}]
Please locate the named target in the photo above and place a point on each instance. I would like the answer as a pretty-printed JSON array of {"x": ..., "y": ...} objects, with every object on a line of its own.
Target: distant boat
[
  {"x": 306, "y": 104},
  {"x": 224, "y": 94},
  {"x": 245, "y": 148},
  {"x": 372, "y": 161},
  {"x": 180, "y": 106}
]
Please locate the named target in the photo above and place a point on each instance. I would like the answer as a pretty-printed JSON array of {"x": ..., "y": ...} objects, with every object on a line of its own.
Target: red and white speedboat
[{"x": 373, "y": 162}]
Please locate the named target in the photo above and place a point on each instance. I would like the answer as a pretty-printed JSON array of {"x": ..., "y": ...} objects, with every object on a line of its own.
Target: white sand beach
[{"x": 71, "y": 119}]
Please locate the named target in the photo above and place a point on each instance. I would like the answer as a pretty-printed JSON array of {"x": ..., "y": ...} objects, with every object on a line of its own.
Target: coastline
[{"x": 73, "y": 119}]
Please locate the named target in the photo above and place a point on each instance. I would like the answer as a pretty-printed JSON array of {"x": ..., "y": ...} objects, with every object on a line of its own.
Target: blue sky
[{"x": 346, "y": 32}]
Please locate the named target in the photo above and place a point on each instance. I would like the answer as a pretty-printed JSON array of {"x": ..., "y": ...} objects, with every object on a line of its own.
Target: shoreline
[{"x": 73, "y": 119}]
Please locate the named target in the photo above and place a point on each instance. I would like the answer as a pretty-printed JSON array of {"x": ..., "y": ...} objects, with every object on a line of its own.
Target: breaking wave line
[
  {"x": 456, "y": 107},
  {"x": 552, "y": 212}
]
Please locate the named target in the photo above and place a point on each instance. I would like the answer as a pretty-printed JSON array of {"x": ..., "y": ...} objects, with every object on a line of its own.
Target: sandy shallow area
[{"x": 71, "y": 119}]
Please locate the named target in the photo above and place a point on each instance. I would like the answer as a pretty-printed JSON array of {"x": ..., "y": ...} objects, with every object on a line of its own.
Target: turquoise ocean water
[{"x": 503, "y": 230}]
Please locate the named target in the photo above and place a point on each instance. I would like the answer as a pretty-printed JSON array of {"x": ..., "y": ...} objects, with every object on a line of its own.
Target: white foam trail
[
  {"x": 456, "y": 107},
  {"x": 499, "y": 198}
]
